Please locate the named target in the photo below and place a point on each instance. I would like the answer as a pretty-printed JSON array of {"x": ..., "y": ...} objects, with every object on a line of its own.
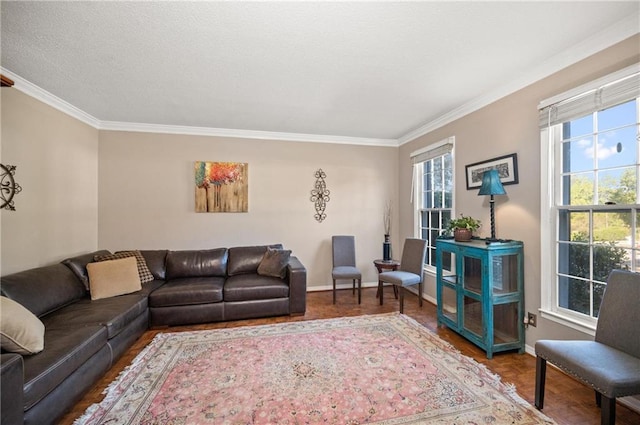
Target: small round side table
[{"x": 382, "y": 266}]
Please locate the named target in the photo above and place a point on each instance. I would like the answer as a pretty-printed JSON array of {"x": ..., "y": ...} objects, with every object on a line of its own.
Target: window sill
[{"x": 570, "y": 322}]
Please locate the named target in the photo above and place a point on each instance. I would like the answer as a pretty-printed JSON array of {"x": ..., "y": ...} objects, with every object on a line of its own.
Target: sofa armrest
[
  {"x": 12, "y": 384},
  {"x": 297, "y": 277}
]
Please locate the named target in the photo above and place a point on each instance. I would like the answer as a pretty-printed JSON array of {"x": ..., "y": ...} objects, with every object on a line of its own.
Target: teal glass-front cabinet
[{"x": 480, "y": 292}]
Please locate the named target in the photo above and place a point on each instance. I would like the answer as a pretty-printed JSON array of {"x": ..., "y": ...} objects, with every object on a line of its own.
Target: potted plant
[{"x": 463, "y": 227}]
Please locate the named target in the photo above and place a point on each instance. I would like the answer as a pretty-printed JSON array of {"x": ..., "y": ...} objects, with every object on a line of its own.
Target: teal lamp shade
[{"x": 491, "y": 184}]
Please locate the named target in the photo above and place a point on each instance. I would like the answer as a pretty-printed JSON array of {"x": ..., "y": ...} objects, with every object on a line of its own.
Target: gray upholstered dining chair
[
  {"x": 611, "y": 363},
  {"x": 343, "y": 249},
  {"x": 409, "y": 272}
]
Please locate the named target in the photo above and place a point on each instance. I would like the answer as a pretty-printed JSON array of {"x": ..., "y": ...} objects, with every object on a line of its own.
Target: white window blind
[
  {"x": 423, "y": 155},
  {"x": 598, "y": 96}
]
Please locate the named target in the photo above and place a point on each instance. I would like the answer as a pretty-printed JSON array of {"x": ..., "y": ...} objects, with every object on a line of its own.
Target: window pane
[
  {"x": 578, "y": 127},
  {"x": 617, "y": 186},
  {"x": 579, "y": 260},
  {"x": 577, "y": 155},
  {"x": 575, "y": 295},
  {"x": 578, "y": 189},
  {"x": 426, "y": 180},
  {"x": 598, "y": 291},
  {"x": 612, "y": 226},
  {"x": 446, "y": 216},
  {"x": 434, "y": 219},
  {"x": 574, "y": 226},
  {"x": 617, "y": 147},
  {"x": 607, "y": 257},
  {"x": 618, "y": 116},
  {"x": 437, "y": 199},
  {"x": 427, "y": 199}
]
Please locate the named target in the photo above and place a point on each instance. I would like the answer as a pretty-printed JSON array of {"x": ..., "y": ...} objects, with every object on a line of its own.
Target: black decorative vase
[{"x": 386, "y": 249}]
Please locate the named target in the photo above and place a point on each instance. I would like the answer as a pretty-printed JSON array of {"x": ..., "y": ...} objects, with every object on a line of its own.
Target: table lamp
[{"x": 491, "y": 185}]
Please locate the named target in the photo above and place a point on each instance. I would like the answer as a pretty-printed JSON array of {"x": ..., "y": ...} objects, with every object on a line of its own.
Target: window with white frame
[
  {"x": 590, "y": 194},
  {"x": 433, "y": 193}
]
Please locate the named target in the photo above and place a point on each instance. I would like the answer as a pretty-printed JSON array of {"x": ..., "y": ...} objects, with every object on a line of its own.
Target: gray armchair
[
  {"x": 343, "y": 250},
  {"x": 410, "y": 271},
  {"x": 610, "y": 364}
]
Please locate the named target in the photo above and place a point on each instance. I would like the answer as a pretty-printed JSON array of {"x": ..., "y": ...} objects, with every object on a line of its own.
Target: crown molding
[
  {"x": 616, "y": 33},
  {"x": 622, "y": 30},
  {"x": 244, "y": 134},
  {"x": 44, "y": 96}
]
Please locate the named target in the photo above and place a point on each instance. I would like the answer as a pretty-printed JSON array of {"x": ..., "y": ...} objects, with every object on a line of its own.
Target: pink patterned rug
[{"x": 378, "y": 369}]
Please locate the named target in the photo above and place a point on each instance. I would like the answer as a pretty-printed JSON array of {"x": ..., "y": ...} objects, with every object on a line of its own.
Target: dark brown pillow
[
  {"x": 143, "y": 269},
  {"x": 274, "y": 263}
]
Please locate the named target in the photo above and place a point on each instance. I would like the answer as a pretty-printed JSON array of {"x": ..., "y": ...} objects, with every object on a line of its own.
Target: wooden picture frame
[{"x": 506, "y": 165}]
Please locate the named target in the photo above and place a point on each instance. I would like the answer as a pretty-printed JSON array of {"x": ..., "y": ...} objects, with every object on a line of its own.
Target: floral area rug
[{"x": 377, "y": 369}]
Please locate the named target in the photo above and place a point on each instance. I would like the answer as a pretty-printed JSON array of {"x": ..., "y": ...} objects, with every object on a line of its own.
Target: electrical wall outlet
[{"x": 532, "y": 319}]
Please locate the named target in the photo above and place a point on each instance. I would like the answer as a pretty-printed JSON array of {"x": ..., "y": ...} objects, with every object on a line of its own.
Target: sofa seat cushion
[
  {"x": 65, "y": 351},
  {"x": 149, "y": 287},
  {"x": 247, "y": 287},
  {"x": 114, "y": 313},
  {"x": 188, "y": 291}
]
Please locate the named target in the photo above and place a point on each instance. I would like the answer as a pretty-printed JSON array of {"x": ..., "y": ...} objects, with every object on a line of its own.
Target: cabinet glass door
[
  {"x": 504, "y": 274},
  {"x": 472, "y": 274},
  {"x": 449, "y": 303},
  {"x": 472, "y": 316},
  {"x": 505, "y": 323}
]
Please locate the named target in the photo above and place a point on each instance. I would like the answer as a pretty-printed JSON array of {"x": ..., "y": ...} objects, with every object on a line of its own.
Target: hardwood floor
[{"x": 567, "y": 401}]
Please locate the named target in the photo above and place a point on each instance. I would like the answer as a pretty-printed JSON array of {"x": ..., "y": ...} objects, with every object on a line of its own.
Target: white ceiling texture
[{"x": 345, "y": 72}]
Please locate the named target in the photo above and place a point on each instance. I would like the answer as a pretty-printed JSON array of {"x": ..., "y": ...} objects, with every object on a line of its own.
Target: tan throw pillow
[
  {"x": 274, "y": 263},
  {"x": 143, "y": 269},
  {"x": 113, "y": 277},
  {"x": 20, "y": 330}
]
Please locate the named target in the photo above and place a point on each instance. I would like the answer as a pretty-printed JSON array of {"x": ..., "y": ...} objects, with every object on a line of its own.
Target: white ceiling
[{"x": 362, "y": 72}]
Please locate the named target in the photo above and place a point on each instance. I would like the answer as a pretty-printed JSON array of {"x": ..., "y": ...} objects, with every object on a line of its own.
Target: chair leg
[
  {"x": 420, "y": 294},
  {"x": 353, "y": 289},
  {"x": 401, "y": 290},
  {"x": 608, "y": 411},
  {"x": 334, "y": 291},
  {"x": 381, "y": 291},
  {"x": 359, "y": 291},
  {"x": 541, "y": 372}
]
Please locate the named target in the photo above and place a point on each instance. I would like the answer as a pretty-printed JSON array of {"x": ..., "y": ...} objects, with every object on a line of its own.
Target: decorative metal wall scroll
[
  {"x": 8, "y": 186},
  {"x": 320, "y": 195}
]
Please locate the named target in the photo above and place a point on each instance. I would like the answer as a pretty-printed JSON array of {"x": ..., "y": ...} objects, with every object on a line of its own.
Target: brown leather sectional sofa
[{"x": 84, "y": 337}]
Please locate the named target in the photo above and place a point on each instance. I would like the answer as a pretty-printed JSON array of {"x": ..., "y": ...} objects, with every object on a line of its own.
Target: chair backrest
[
  {"x": 619, "y": 316},
  {"x": 413, "y": 256},
  {"x": 343, "y": 249}
]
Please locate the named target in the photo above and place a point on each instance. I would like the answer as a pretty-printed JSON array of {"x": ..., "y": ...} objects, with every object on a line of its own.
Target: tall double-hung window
[
  {"x": 590, "y": 195},
  {"x": 433, "y": 193}
]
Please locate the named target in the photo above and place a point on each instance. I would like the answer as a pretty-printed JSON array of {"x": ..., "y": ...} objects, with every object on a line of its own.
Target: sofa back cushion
[
  {"x": 197, "y": 263},
  {"x": 78, "y": 265},
  {"x": 44, "y": 289},
  {"x": 246, "y": 259},
  {"x": 156, "y": 261}
]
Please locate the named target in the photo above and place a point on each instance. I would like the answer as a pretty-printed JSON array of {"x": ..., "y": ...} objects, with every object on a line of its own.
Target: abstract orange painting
[{"x": 222, "y": 186}]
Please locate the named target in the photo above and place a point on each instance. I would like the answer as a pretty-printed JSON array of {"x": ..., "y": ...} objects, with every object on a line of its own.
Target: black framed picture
[{"x": 506, "y": 165}]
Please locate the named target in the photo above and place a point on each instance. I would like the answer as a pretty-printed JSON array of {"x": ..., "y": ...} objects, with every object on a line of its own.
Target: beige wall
[
  {"x": 57, "y": 166},
  {"x": 146, "y": 196},
  {"x": 507, "y": 126},
  {"x": 86, "y": 189}
]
